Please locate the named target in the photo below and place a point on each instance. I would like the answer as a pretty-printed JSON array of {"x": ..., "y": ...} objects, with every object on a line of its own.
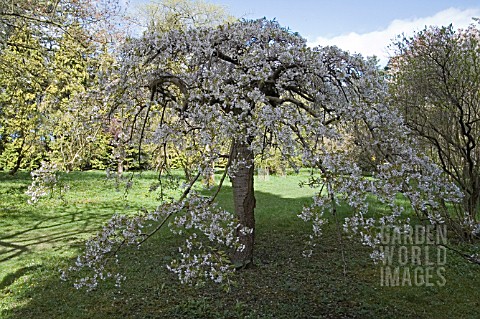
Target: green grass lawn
[{"x": 36, "y": 241}]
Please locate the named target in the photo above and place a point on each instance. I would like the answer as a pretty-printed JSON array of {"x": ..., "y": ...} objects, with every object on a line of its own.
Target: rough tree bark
[
  {"x": 244, "y": 202},
  {"x": 19, "y": 159}
]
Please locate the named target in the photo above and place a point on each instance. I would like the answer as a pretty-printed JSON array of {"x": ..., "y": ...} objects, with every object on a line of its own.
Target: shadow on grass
[
  {"x": 60, "y": 227},
  {"x": 151, "y": 291},
  {"x": 282, "y": 284},
  {"x": 11, "y": 250},
  {"x": 26, "y": 229},
  {"x": 10, "y": 278}
]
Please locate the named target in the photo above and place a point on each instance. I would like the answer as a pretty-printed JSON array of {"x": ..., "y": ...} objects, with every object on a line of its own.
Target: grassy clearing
[{"x": 35, "y": 241}]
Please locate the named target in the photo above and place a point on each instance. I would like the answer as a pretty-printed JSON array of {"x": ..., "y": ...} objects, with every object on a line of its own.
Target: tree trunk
[
  {"x": 18, "y": 162},
  {"x": 120, "y": 168},
  {"x": 244, "y": 201},
  {"x": 473, "y": 198},
  {"x": 209, "y": 177},
  {"x": 119, "y": 157}
]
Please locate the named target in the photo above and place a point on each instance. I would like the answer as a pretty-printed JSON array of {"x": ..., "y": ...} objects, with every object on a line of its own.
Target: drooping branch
[
  {"x": 166, "y": 218},
  {"x": 224, "y": 175},
  {"x": 160, "y": 81}
]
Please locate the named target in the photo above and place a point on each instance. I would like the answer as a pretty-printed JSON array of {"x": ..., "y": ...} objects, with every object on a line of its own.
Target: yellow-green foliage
[
  {"x": 44, "y": 111},
  {"x": 77, "y": 135},
  {"x": 23, "y": 75}
]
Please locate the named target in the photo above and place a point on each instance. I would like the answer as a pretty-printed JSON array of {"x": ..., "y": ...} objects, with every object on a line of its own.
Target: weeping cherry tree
[{"x": 241, "y": 91}]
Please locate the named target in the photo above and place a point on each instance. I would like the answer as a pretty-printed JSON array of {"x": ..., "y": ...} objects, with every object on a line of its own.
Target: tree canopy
[{"x": 434, "y": 83}]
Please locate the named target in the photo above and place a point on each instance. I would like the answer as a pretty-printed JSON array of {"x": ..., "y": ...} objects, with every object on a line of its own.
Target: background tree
[
  {"x": 51, "y": 19},
  {"x": 435, "y": 78},
  {"x": 52, "y": 54},
  {"x": 167, "y": 15},
  {"x": 46, "y": 115},
  {"x": 23, "y": 75},
  {"x": 77, "y": 135}
]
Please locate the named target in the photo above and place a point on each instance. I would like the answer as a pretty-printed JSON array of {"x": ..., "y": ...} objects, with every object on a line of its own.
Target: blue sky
[{"x": 362, "y": 26}]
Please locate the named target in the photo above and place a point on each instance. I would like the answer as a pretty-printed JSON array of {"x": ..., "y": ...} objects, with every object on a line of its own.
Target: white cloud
[{"x": 376, "y": 42}]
